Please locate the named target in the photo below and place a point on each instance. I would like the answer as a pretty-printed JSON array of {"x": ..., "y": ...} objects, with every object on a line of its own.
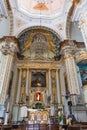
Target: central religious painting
[{"x": 38, "y": 78}]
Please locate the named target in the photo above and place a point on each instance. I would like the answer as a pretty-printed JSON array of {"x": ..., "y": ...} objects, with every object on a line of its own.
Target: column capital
[
  {"x": 10, "y": 39},
  {"x": 67, "y": 47},
  {"x": 80, "y": 55},
  {"x": 57, "y": 69},
  {"x": 49, "y": 69},
  {"x": 27, "y": 68},
  {"x": 9, "y": 45},
  {"x": 20, "y": 69}
]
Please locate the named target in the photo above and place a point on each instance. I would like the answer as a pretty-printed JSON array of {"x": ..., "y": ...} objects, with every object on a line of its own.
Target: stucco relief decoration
[
  {"x": 19, "y": 22},
  {"x": 47, "y": 44},
  {"x": 60, "y": 26},
  {"x": 39, "y": 47},
  {"x": 8, "y": 48},
  {"x": 40, "y": 6},
  {"x": 48, "y": 8}
]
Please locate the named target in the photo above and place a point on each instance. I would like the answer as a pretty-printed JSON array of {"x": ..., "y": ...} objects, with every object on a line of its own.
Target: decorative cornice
[
  {"x": 80, "y": 45},
  {"x": 67, "y": 48},
  {"x": 80, "y": 55},
  {"x": 40, "y": 65},
  {"x": 67, "y": 43},
  {"x": 8, "y": 49}
]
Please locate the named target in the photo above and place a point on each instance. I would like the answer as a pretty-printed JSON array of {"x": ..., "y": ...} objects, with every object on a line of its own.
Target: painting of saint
[{"x": 38, "y": 79}]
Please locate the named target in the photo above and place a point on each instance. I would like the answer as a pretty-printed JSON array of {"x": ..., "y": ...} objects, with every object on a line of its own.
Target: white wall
[
  {"x": 75, "y": 32},
  {"x": 4, "y": 27}
]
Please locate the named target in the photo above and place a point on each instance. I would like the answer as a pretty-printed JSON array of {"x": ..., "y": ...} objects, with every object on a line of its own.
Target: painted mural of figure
[{"x": 39, "y": 47}]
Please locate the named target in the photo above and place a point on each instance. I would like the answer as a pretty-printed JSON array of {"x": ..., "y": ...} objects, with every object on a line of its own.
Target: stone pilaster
[
  {"x": 27, "y": 87},
  {"x": 27, "y": 83},
  {"x": 62, "y": 82},
  {"x": 13, "y": 91},
  {"x": 19, "y": 86},
  {"x": 58, "y": 87},
  {"x": 63, "y": 91},
  {"x": 8, "y": 48},
  {"x": 67, "y": 48},
  {"x": 50, "y": 85}
]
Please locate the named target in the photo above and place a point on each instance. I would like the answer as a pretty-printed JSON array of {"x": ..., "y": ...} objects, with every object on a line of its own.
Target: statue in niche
[
  {"x": 41, "y": 47},
  {"x": 22, "y": 93},
  {"x": 38, "y": 96},
  {"x": 24, "y": 74}
]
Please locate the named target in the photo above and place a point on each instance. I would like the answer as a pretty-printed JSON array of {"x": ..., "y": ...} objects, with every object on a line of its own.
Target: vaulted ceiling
[
  {"x": 17, "y": 17},
  {"x": 62, "y": 16},
  {"x": 45, "y": 8}
]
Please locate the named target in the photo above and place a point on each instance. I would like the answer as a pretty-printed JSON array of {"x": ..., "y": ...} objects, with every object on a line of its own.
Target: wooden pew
[
  {"x": 53, "y": 127},
  {"x": 6, "y": 127},
  {"x": 74, "y": 127}
]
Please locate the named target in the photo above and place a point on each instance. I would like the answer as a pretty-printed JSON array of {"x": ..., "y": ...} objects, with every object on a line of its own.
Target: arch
[
  {"x": 29, "y": 32},
  {"x": 69, "y": 15},
  {"x": 40, "y": 27},
  {"x": 10, "y": 13}
]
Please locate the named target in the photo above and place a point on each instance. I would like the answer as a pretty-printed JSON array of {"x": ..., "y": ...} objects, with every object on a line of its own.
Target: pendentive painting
[{"x": 38, "y": 79}]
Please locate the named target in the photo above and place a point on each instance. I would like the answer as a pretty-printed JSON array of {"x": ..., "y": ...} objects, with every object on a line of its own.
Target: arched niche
[{"x": 50, "y": 39}]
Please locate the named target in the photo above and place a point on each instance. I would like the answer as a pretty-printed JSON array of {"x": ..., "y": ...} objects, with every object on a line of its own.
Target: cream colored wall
[{"x": 4, "y": 27}]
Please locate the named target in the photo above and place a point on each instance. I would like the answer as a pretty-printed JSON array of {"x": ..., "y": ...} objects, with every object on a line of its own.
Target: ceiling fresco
[{"x": 41, "y": 7}]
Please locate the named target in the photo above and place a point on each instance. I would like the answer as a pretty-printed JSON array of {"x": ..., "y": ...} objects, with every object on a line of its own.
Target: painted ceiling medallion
[
  {"x": 49, "y": 8},
  {"x": 40, "y": 6}
]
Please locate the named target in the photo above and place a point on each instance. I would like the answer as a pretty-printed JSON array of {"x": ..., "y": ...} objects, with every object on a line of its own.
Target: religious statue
[{"x": 38, "y": 96}]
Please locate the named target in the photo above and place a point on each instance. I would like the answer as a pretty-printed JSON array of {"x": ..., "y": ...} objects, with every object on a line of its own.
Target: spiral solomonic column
[{"x": 8, "y": 49}]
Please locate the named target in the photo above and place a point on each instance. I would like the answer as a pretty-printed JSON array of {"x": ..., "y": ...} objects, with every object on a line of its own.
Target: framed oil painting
[{"x": 38, "y": 78}]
